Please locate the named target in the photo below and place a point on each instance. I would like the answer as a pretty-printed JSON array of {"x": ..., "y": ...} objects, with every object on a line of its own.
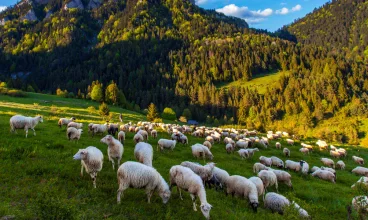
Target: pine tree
[{"x": 152, "y": 113}]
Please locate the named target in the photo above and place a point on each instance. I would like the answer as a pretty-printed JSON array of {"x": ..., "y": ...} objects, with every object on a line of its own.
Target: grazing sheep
[
  {"x": 309, "y": 147},
  {"x": 183, "y": 139},
  {"x": 65, "y": 121},
  {"x": 75, "y": 125},
  {"x": 214, "y": 181},
  {"x": 207, "y": 144},
  {"x": 143, "y": 152},
  {"x": 138, "y": 138},
  {"x": 144, "y": 134},
  {"x": 324, "y": 175},
  {"x": 90, "y": 128},
  {"x": 243, "y": 153},
  {"x": 97, "y": 128},
  {"x": 166, "y": 143},
  {"x": 242, "y": 187},
  {"x": 304, "y": 150},
  {"x": 314, "y": 168},
  {"x": 121, "y": 136},
  {"x": 329, "y": 169},
  {"x": 265, "y": 160},
  {"x": 185, "y": 178},
  {"x": 251, "y": 151},
  {"x": 286, "y": 152},
  {"x": 210, "y": 139},
  {"x": 154, "y": 134},
  {"x": 342, "y": 152},
  {"x": 114, "y": 149},
  {"x": 277, "y": 162},
  {"x": 137, "y": 175},
  {"x": 358, "y": 160},
  {"x": 205, "y": 172},
  {"x": 328, "y": 162},
  {"x": 335, "y": 154},
  {"x": 258, "y": 167},
  {"x": 221, "y": 175},
  {"x": 112, "y": 129},
  {"x": 268, "y": 178},
  {"x": 198, "y": 150},
  {"x": 229, "y": 148},
  {"x": 73, "y": 133},
  {"x": 259, "y": 184},
  {"x": 362, "y": 171},
  {"x": 22, "y": 122},
  {"x": 290, "y": 141},
  {"x": 340, "y": 165},
  {"x": 360, "y": 204},
  {"x": 242, "y": 144},
  {"x": 277, "y": 203},
  {"x": 278, "y": 145},
  {"x": 305, "y": 167},
  {"x": 282, "y": 177},
  {"x": 363, "y": 180},
  {"x": 292, "y": 165},
  {"x": 91, "y": 160},
  {"x": 322, "y": 145}
]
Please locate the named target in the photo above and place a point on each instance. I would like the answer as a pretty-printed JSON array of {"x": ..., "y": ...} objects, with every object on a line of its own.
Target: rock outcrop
[
  {"x": 30, "y": 16},
  {"x": 94, "y": 4},
  {"x": 74, "y": 4}
]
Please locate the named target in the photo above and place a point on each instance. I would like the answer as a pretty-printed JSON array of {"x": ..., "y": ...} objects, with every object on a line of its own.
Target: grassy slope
[
  {"x": 260, "y": 82},
  {"x": 39, "y": 172}
]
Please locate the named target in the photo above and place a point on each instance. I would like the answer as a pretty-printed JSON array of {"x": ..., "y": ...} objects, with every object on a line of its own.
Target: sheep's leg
[
  {"x": 121, "y": 192},
  {"x": 179, "y": 190},
  {"x": 81, "y": 173},
  {"x": 149, "y": 195},
  {"x": 94, "y": 177},
  {"x": 26, "y": 132},
  {"x": 119, "y": 161},
  {"x": 194, "y": 203},
  {"x": 34, "y": 132}
]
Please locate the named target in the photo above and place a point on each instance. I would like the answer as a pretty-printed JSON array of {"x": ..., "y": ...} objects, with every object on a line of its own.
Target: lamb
[
  {"x": 328, "y": 162},
  {"x": 112, "y": 129},
  {"x": 97, "y": 128},
  {"x": 268, "y": 178},
  {"x": 277, "y": 203},
  {"x": 290, "y": 141},
  {"x": 73, "y": 133},
  {"x": 282, "y": 176},
  {"x": 137, "y": 175},
  {"x": 229, "y": 148},
  {"x": 360, "y": 204},
  {"x": 278, "y": 145},
  {"x": 205, "y": 172},
  {"x": 91, "y": 160},
  {"x": 265, "y": 160},
  {"x": 325, "y": 175},
  {"x": 241, "y": 186},
  {"x": 22, "y": 122},
  {"x": 286, "y": 152},
  {"x": 143, "y": 152},
  {"x": 305, "y": 167},
  {"x": 259, "y": 184},
  {"x": 138, "y": 138},
  {"x": 198, "y": 150},
  {"x": 114, "y": 149},
  {"x": 75, "y": 125},
  {"x": 144, "y": 134},
  {"x": 292, "y": 165},
  {"x": 363, "y": 180},
  {"x": 362, "y": 171},
  {"x": 277, "y": 162},
  {"x": 185, "y": 178},
  {"x": 65, "y": 121},
  {"x": 340, "y": 165},
  {"x": 304, "y": 150},
  {"x": 154, "y": 134},
  {"x": 243, "y": 153},
  {"x": 358, "y": 160},
  {"x": 121, "y": 136},
  {"x": 258, "y": 167},
  {"x": 166, "y": 143},
  {"x": 207, "y": 144},
  {"x": 251, "y": 151},
  {"x": 221, "y": 175}
]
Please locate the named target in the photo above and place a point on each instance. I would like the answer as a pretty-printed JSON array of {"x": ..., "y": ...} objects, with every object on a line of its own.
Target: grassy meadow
[{"x": 40, "y": 180}]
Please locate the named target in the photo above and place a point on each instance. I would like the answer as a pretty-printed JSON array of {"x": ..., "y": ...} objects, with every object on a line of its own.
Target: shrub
[
  {"x": 16, "y": 93},
  {"x": 169, "y": 114},
  {"x": 91, "y": 110},
  {"x": 104, "y": 110},
  {"x": 157, "y": 120}
]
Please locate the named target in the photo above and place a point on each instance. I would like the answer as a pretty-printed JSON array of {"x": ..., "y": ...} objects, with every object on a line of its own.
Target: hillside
[{"x": 41, "y": 180}]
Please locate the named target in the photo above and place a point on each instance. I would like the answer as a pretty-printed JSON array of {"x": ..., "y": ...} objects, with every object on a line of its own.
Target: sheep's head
[
  {"x": 72, "y": 118},
  {"x": 80, "y": 155},
  {"x": 256, "y": 149},
  {"x": 301, "y": 163},
  {"x": 254, "y": 206},
  {"x": 107, "y": 139},
  {"x": 165, "y": 195},
  {"x": 40, "y": 118},
  {"x": 206, "y": 208},
  {"x": 80, "y": 131}
]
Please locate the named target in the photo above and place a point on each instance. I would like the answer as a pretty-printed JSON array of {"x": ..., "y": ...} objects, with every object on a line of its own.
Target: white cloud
[
  {"x": 2, "y": 8},
  {"x": 296, "y": 8},
  {"x": 282, "y": 11},
  {"x": 246, "y": 14}
]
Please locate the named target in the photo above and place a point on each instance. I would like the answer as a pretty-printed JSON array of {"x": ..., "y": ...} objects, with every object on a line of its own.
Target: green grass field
[
  {"x": 259, "y": 82},
  {"x": 40, "y": 180}
]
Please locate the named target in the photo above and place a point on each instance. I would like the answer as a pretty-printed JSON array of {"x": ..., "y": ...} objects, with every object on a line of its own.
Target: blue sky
[{"x": 265, "y": 14}]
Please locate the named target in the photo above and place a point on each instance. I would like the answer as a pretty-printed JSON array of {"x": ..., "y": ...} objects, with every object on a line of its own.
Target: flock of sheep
[{"x": 193, "y": 177}]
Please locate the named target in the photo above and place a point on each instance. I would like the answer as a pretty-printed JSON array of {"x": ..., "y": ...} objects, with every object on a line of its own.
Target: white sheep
[
  {"x": 207, "y": 144},
  {"x": 362, "y": 180},
  {"x": 184, "y": 178},
  {"x": 325, "y": 175},
  {"x": 322, "y": 145},
  {"x": 304, "y": 150},
  {"x": 358, "y": 160},
  {"x": 121, "y": 136},
  {"x": 286, "y": 152},
  {"x": 99, "y": 128},
  {"x": 335, "y": 154},
  {"x": 22, "y": 122},
  {"x": 290, "y": 141},
  {"x": 268, "y": 178},
  {"x": 277, "y": 203},
  {"x": 154, "y": 134},
  {"x": 143, "y": 152},
  {"x": 137, "y": 175},
  {"x": 259, "y": 184},
  {"x": 198, "y": 150},
  {"x": 340, "y": 165},
  {"x": 265, "y": 160},
  {"x": 251, "y": 151},
  {"x": 75, "y": 125},
  {"x": 114, "y": 149},
  {"x": 243, "y": 153},
  {"x": 166, "y": 143},
  {"x": 221, "y": 175},
  {"x": 292, "y": 165},
  {"x": 305, "y": 167},
  {"x": 282, "y": 177},
  {"x": 73, "y": 133},
  {"x": 329, "y": 169},
  {"x": 278, "y": 145},
  {"x": 65, "y": 121},
  {"x": 229, "y": 148},
  {"x": 210, "y": 139},
  {"x": 314, "y": 168},
  {"x": 205, "y": 172},
  {"x": 138, "y": 138},
  {"x": 258, "y": 167},
  {"x": 360, "y": 204},
  {"x": 362, "y": 171},
  {"x": 309, "y": 147},
  {"x": 328, "y": 162},
  {"x": 91, "y": 160},
  {"x": 90, "y": 127},
  {"x": 242, "y": 187},
  {"x": 144, "y": 134},
  {"x": 242, "y": 144},
  {"x": 277, "y": 162}
]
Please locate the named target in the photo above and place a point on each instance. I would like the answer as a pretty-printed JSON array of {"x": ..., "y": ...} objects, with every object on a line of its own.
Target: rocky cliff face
[
  {"x": 74, "y": 4},
  {"x": 30, "y": 16},
  {"x": 94, "y": 4}
]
